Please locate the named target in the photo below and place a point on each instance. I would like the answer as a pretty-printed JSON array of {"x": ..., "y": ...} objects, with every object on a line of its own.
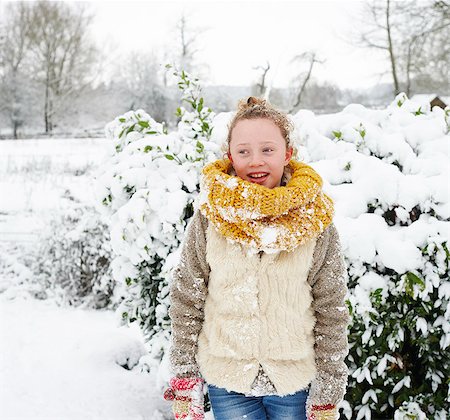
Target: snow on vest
[{"x": 258, "y": 311}]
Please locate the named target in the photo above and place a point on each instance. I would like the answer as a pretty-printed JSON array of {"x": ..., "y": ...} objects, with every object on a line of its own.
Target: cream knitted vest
[{"x": 257, "y": 311}]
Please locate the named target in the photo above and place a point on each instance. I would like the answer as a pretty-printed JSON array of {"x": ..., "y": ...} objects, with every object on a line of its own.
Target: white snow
[{"x": 64, "y": 363}]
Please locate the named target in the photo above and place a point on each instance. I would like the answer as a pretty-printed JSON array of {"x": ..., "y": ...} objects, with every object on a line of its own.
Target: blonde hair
[{"x": 253, "y": 108}]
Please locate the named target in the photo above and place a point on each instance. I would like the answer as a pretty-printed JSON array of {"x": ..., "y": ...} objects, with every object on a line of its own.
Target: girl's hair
[{"x": 260, "y": 108}]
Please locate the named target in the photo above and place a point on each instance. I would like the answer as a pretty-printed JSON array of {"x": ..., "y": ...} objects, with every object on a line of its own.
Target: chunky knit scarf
[{"x": 261, "y": 218}]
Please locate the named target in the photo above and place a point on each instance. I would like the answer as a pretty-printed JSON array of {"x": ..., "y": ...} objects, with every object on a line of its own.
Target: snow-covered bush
[
  {"x": 72, "y": 261},
  {"x": 387, "y": 171},
  {"x": 148, "y": 189}
]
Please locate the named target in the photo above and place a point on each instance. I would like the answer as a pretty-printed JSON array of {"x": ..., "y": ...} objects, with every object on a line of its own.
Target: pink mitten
[
  {"x": 188, "y": 398},
  {"x": 322, "y": 412}
]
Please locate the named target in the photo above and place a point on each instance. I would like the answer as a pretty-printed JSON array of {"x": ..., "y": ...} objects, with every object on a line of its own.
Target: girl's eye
[
  {"x": 268, "y": 150},
  {"x": 241, "y": 152}
]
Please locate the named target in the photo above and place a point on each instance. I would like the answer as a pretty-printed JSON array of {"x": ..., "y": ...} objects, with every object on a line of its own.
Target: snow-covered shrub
[
  {"x": 131, "y": 126},
  {"x": 148, "y": 189},
  {"x": 15, "y": 274},
  {"x": 388, "y": 173},
  {"x": 71, "y": 262}
]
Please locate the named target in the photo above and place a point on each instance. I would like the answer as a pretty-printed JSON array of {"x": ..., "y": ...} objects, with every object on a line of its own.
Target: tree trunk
[
  {"x": 46, "y": 107},
  {"x": 391, "y": 49},
  {"x": 15, "y": 127},
  {"x": 302, "y": 88},
  {"x": 408, "y": 71}
]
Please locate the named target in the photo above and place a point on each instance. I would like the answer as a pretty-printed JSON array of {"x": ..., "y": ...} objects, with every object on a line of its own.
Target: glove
[
  {"x": 188, "y": 398},
  {"x": 322, "y": 412}
]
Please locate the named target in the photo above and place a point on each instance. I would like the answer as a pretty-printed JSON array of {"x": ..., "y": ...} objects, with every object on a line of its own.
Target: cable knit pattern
[
  {"x": 264, "y": 219},
  {"x": 328, "y": 279},
  {"x": 326, "y": 276},
  {"x": 187, "y": 294}
]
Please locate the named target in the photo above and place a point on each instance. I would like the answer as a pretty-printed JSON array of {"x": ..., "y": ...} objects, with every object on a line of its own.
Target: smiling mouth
[{"x": 258, "y": 177}]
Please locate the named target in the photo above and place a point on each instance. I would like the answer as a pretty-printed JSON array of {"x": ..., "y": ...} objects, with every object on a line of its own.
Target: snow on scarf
[{"x": 261, "y": 218}]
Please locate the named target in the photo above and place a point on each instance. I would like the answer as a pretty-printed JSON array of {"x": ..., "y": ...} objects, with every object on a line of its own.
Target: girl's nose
[{"x": 256, "y": 160}]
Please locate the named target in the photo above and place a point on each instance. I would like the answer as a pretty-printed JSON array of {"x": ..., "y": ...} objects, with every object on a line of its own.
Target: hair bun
[
  {"x": 251, "y": 102},
  {"x": 255, "y": 101}
]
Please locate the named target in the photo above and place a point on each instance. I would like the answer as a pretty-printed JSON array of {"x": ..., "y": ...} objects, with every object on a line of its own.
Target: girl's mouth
[{"x": 259, "y": 177}]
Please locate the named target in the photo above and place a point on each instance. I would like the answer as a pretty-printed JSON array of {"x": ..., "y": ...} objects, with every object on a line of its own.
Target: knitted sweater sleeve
[
  {"x": 328, "y": 279},
  {"x": 188, "y": 292}
]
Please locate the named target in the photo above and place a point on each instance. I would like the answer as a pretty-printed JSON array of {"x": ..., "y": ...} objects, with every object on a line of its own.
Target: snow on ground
[
  {"x": 64, "y": 363},
  {"x": 38, "y": 177}
]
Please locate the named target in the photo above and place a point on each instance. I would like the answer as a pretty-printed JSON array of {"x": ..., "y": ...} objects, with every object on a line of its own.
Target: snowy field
[
  {"x": 64, "y": 363},
  {"x": 38, "y": 177},
  {"x": 60, "y": 363}
]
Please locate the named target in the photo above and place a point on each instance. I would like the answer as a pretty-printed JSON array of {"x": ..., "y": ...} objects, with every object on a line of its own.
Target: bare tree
[
  {"x": 188, "y": 46},
  {"x": 261, "y": 86},
  {"x": 62, "y": 55},
  {"x": 309, "y": 59},
  {"x": 142, "y": 77},
  {"x": 427, "y": 49},
  {"x": 406, "y": 30},
  {"x": 14, "y": 44}
]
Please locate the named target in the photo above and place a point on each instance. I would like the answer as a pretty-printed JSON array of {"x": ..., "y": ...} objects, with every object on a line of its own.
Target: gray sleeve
[
  {"x": 328, "y": 279},
  {"x": 188, "y": 292}
]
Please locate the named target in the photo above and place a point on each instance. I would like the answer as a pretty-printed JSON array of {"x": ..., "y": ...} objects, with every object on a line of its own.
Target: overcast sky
[{"x": 239, "y": 35}]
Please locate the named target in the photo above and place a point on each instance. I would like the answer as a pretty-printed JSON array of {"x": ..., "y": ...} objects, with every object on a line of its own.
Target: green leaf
[
  {"x": 337, "y": 134},
  {"x": 376, "y": 295},
  {"x": 130, "y": 129},
  {"x": 411, "y": 280},
  {"x": 144, "y": 124},
  {"x": 169, "y": 157},
  {"x": 200, "y": 146},
  {"x": 147, "y": 149},
  {"x": 350, "y": 307},
  {"x": 122, "y": 120}
]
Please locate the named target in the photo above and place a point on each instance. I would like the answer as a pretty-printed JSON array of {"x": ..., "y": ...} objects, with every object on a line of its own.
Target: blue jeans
[{"x": 233, "y": 405}]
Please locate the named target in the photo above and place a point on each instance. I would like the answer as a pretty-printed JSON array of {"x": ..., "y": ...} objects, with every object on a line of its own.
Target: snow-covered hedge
[
  {"x": 71, "y": 262},
  {"x": 148, "y": 190},
  {"x": 387, "y": 171}
]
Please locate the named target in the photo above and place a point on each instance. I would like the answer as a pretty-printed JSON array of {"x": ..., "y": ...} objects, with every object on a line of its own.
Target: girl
[{"x": 257, "y": 301}]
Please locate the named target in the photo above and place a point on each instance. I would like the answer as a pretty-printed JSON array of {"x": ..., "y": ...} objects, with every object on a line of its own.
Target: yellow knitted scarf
[{"x": 261, "y": 218}]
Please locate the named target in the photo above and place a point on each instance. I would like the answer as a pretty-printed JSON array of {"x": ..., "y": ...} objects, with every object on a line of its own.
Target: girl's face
[{"x": 258, "y": 152}]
